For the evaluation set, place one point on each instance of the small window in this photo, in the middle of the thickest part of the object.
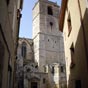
(53, 70)
(62, 69)
(9, 68)
(51, 25)
(69, 24)
(7, 1)
(44, 68)
(36, 66)
(32, 65)
(44, 80)
(78, 84)
(50, 12)
(72, 56)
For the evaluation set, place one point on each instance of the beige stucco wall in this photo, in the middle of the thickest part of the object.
(7, 32)
(80, 71)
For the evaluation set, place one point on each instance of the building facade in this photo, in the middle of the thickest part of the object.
(41, 61)
(27, 73)
(74, 24)
(9, 22)
(48, 41)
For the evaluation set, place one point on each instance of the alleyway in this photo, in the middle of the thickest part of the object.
(43, 44)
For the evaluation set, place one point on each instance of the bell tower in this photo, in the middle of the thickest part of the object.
(48, 40)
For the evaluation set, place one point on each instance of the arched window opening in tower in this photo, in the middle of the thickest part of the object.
(50, 11)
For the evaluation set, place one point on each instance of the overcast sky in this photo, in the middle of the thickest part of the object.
(26, 20)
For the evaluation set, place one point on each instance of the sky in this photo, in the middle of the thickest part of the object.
(26, 20)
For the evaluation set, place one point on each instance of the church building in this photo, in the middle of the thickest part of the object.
(41, 60)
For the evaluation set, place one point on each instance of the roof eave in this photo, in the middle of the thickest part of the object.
(62, 14)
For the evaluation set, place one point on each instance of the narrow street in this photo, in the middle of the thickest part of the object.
(43, 44)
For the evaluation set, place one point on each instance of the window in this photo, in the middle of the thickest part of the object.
(53, 70)
(44, 68)
(48, 40)
(36, 66)
(50, 12)
(69, 24)
(23, 51)
(51, 25)
(72, 56)
(78, 84)
(44, 80)
(7, 1)
(62, 69)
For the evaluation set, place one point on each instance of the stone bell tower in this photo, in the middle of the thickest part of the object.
(48, 40)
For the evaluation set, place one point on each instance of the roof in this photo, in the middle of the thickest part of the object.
(62, 14)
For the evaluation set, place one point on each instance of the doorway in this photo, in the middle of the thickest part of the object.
(34, 85)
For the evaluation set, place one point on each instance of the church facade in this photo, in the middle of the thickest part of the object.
(41, 60)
